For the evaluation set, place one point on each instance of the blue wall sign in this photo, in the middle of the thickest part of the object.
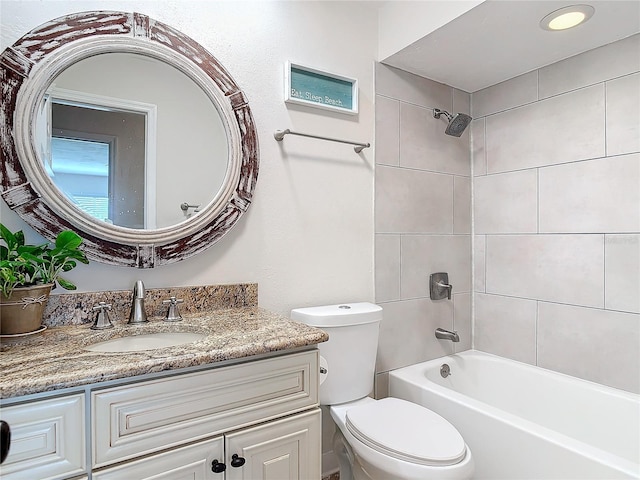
(312, 87)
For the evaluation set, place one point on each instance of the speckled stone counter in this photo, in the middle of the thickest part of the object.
(57, 359)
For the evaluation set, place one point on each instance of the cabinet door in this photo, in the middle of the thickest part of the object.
(193, 462)
(286, 449)
(47, 439)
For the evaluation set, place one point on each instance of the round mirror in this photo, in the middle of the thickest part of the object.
(128, 132)
(130, 140)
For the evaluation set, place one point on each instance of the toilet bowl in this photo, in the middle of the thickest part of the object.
(394, 439)
(385, 439)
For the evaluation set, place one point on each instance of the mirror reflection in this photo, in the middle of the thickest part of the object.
(132, 141)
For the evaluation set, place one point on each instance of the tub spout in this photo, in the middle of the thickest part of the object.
(443, 334)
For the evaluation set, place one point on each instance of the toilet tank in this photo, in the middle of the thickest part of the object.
(350, 354)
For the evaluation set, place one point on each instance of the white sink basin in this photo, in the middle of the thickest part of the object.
(151, 341)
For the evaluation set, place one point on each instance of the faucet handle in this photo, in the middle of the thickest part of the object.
(446, 287)
(102, 321)
(439, 286)
(173, 314)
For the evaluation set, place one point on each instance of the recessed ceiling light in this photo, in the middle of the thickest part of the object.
(567, 17)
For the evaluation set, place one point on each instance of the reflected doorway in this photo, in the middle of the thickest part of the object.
(98, 161)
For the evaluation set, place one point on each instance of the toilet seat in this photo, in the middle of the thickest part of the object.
(406, 431)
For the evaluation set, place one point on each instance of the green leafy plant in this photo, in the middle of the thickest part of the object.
(23, 265)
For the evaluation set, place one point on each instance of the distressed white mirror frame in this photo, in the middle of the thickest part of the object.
(26, 71)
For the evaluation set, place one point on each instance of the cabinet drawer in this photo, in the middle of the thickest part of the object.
(142, 418)
(47, 439)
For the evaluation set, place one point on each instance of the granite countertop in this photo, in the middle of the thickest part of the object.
(57, 359)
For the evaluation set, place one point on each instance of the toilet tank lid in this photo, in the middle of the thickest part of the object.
(339, 315)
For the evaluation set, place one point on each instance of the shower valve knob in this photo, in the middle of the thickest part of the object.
(439, 287)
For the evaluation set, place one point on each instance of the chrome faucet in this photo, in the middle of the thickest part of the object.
(443, 334)
(138, 315)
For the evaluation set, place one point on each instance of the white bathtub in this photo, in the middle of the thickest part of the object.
(525, 422)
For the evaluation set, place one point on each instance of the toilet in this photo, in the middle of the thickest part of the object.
(377, 439)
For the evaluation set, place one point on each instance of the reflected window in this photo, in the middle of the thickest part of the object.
(80, 167)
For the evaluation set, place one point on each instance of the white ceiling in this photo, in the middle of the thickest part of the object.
(500, 39)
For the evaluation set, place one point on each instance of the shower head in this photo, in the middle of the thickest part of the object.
(457, 122)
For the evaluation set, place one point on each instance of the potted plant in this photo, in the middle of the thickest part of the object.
(27, 275)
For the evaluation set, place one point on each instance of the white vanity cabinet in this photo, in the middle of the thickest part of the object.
(254, 420)
(264, 412)
(47, 439)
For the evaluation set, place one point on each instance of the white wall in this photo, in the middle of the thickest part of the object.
(308, 237)
(557, 216)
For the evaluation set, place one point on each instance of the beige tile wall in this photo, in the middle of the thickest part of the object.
(556, 157)
(422, 219)
(556, 213)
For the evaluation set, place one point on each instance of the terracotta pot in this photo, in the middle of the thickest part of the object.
(22, 311)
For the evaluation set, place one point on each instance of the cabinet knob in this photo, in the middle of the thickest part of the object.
(237, 461)
(217, 467)
(5, 440)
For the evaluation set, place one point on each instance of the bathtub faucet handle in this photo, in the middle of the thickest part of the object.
(447, 287)
(439, 286)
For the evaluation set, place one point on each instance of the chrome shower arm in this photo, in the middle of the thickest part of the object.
(437, 113)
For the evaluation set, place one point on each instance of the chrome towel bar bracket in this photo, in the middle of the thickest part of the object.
(357, 146)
